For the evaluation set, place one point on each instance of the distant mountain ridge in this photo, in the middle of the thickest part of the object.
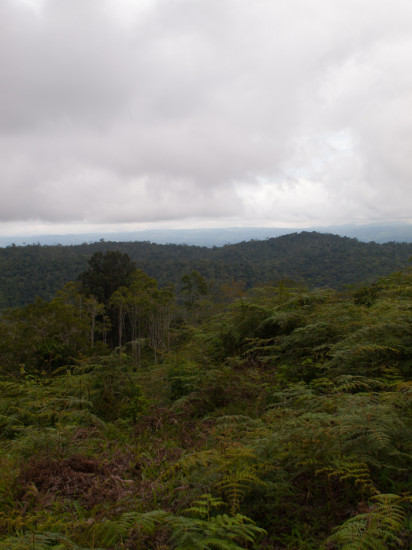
(316, 258)
(377, 232)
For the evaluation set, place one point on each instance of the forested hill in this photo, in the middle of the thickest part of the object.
(318, 259)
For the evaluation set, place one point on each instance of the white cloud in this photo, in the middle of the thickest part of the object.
(169, 111)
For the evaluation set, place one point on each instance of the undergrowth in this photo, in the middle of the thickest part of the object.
(284, 422)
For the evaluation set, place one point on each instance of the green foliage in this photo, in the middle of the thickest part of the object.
(221, 532)
(349, 468)
(194, 289)
(42, 336)
(318, 259)
(39, 541)
(377, 529)
(209, 532)
(107, 272)
(282, 422)
(366, 295)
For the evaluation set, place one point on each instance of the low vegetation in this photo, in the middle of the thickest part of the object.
(145, 418)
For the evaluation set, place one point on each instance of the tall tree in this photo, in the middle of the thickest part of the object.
(160, 318)
(119, 301)
(194, 288)
(107, 272)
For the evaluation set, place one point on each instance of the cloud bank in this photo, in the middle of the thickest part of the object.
(220, 111)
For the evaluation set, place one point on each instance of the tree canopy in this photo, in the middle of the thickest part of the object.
(107, 272)
(313, 258)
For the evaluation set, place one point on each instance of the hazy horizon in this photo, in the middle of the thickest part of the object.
(384, 232)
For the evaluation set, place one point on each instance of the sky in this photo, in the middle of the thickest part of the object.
(138, 114)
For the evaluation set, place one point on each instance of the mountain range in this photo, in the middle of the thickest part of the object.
(377, 232)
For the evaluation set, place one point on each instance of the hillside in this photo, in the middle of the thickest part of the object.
(318, 259)
(283, 422)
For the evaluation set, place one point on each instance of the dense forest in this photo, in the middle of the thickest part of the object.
(136, 414)
(315, 258)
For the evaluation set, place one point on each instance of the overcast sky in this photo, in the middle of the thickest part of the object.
(133, 114)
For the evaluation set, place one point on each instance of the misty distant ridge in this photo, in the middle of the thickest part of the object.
(377, 232)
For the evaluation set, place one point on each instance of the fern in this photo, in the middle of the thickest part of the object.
(236, 420)
(83, 418)
(221, 532)
(372, 430)
(40, 541)
(349, 468)
(110, 532)
(203, 506)
(378, 529)
(236, 484)
(352, 383)
(33, 441)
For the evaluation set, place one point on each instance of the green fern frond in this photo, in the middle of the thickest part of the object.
(83, 418)
(192, 461)
(235, 486)
(349, 468)
(40, 541)
(237, 419)
(146, 521)
(221, 532)
(10, 389)
(349, 383)
(378, 529)
(111, 532)
(203, 506)
(34, 441)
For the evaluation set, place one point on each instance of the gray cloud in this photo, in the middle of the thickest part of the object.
(266, 111)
